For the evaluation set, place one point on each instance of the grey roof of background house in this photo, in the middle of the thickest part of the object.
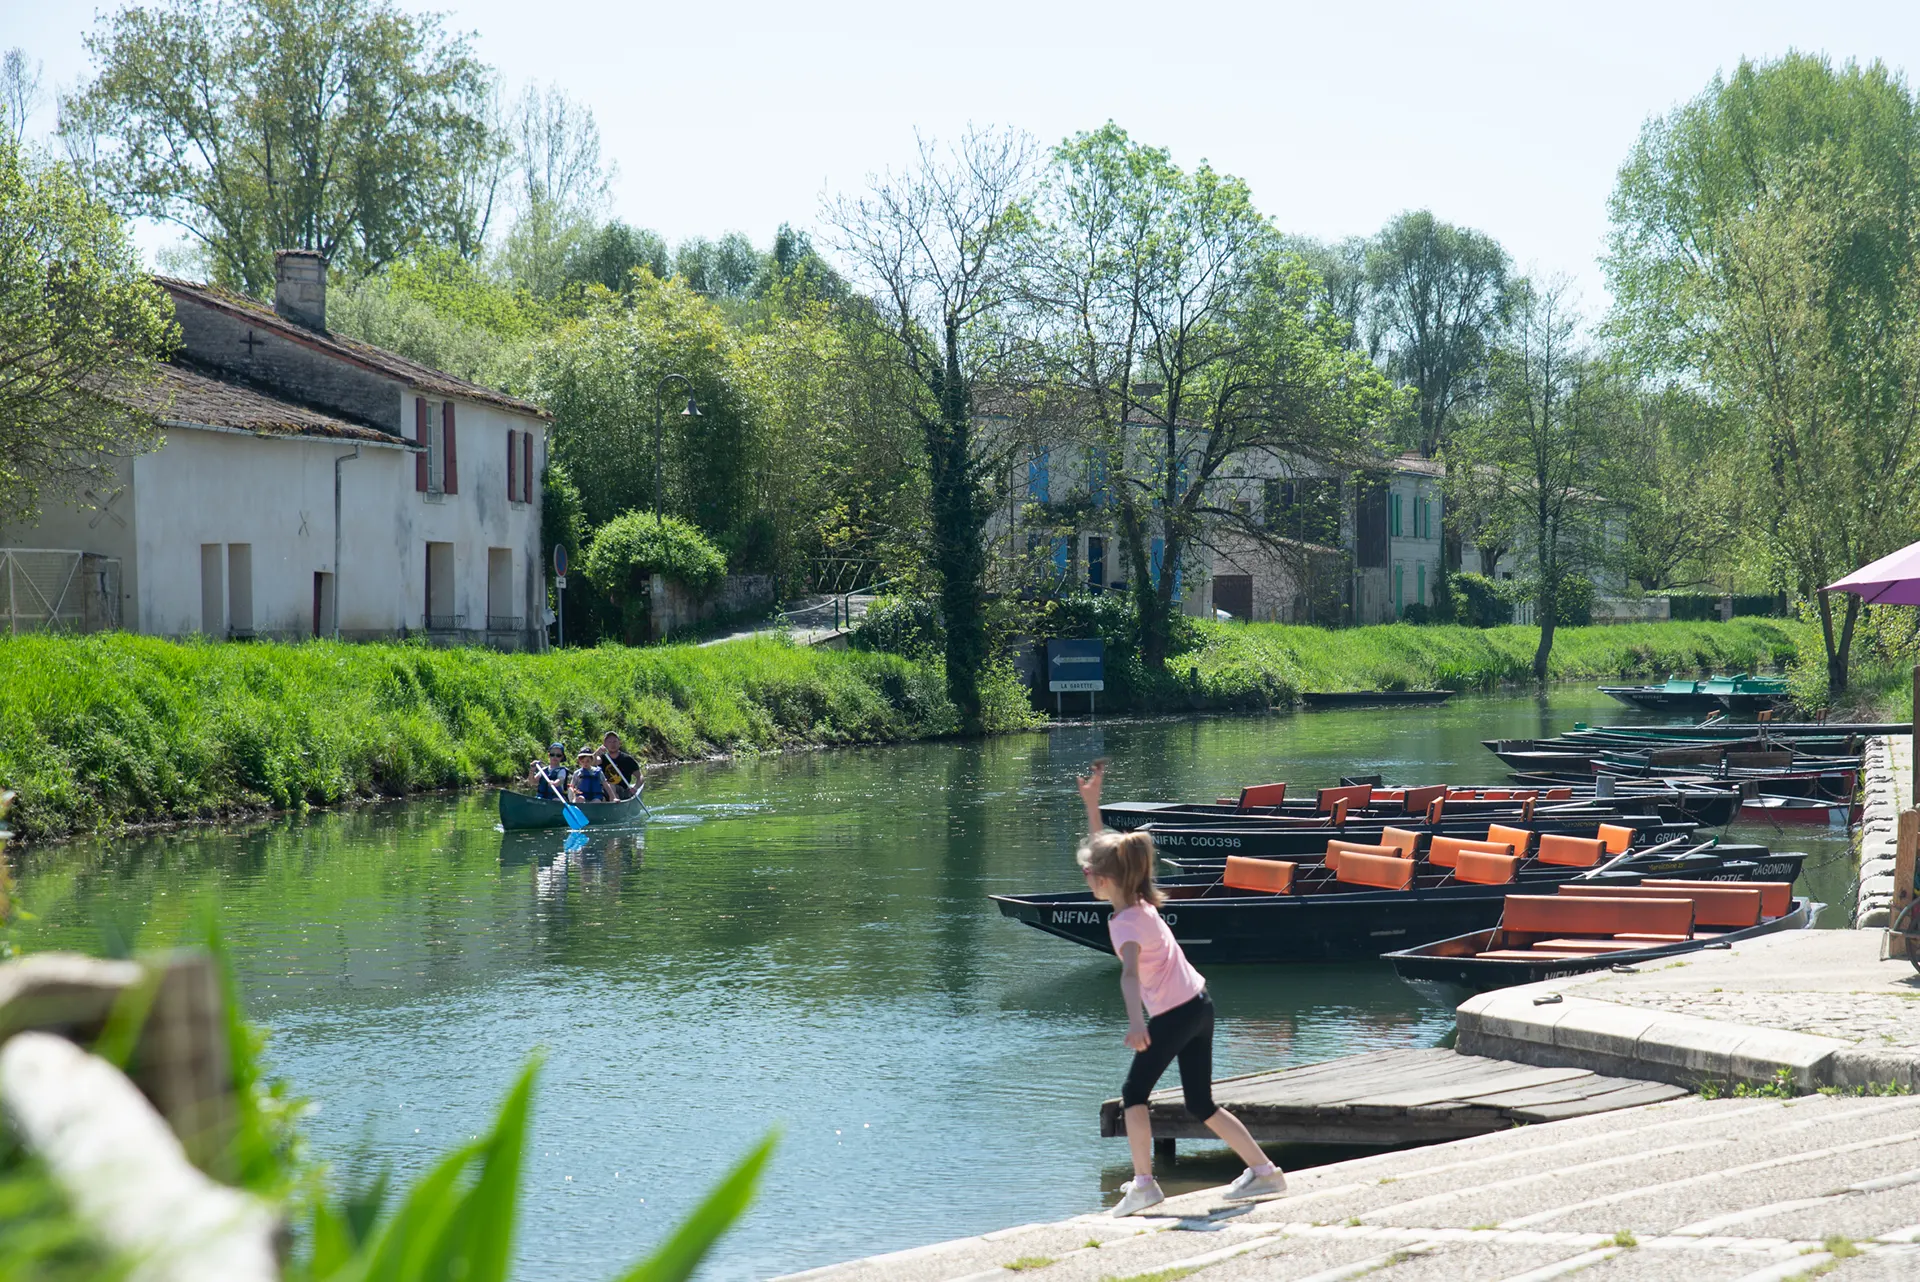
(181, 396)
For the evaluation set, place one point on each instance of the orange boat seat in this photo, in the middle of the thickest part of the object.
(1497, 794)
(1557, 794)
(1416, 800)
(1616, 837)
(1262, 794)
(1355, 795)
(1484, 868)
(1556, 915)
(1337, 849)
(1446, 851)
(1653, 939)
(1382, 871)
(1386, 794)
(1270, 876)
(1521, 839)
(1570, 852)
(1403, 840)
(1530, 954)
(1618, 944)
(1715, 904)
(1776, 897)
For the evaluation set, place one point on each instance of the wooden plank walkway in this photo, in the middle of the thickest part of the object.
(1397, 1097)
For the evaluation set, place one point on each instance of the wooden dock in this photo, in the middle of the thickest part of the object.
(1396, 1097)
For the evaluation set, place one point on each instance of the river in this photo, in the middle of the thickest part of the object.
(801, 942)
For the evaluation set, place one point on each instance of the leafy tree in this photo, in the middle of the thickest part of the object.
(81, 329)
(936, 246)
(1195, 352)
(627, 551)
(1765, 243)
(1550, 431)
(1688, 518)
(1436, 302)
(726, 268)
(343, 126)
(19, 91)
(612, 252)
(1344, 289)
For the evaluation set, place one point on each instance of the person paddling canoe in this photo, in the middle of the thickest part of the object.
(620, 766)
(550, 781)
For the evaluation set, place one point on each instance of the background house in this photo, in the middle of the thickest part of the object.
(309, 485)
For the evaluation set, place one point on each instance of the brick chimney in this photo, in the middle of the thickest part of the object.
(300, 288)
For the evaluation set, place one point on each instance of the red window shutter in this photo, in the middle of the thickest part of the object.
(526, 468)
(513, 468)
(420, 463)
(451, 483)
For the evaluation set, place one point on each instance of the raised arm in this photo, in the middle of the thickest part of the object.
(1090, 795)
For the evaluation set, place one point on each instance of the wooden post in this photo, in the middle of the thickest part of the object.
(1906, 844)
(1163, 1147)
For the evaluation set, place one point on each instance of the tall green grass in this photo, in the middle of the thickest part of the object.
(110, 729)
(1267, 663)
(114, 728)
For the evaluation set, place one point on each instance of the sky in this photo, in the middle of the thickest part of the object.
(1508, 117)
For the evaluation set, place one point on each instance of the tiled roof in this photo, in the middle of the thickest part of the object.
(379, 359)
(184, 397)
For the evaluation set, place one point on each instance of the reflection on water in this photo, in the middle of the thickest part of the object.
(801, 941)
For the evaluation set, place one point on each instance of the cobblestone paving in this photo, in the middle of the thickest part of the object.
(1871, 1019)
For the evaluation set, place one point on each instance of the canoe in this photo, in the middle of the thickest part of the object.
(1457, 963)
(1371, 698)
(518, 810)
(1215, 923)
(1737, 694)
(1797, 810)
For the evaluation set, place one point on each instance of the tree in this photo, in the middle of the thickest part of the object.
(610, 254)
(1549, 432)
(1344, 289)
(726, 268)
(81, 328)
(1765, 242)
(1684, 471)
(342, 126)
(935, 245)
(1194, 353)
(19, 92)
(1437, 299)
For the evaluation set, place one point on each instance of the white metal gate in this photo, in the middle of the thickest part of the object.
(50, 589)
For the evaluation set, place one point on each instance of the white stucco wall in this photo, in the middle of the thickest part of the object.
(275, 495)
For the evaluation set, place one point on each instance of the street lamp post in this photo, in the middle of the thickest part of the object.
(659, 426)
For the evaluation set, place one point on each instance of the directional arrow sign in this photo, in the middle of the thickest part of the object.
(1076, 666)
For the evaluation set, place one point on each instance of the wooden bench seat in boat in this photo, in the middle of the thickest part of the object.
(1267, 876)
(1445, 851)
(1356, 795)
(1776, 897)
(1619, 943)
(1383, 872)
(1720, 904)
(1521, 839)
(1556, 916)
(1570, 852)
(1530, 954)
(1486, 868)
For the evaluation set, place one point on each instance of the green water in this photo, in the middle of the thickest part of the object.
(801, 942)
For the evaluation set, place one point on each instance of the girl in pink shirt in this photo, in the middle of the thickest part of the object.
(1155, 974)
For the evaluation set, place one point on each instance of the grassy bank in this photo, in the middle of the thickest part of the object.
(103, 730)
(110, 729)
(1259, 664)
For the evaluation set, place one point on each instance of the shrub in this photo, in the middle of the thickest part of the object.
(1573, 608)
(1417, 613)
(900, 625)
(628, 550)
(1481, 602)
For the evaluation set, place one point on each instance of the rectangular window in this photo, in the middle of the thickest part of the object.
(1096, 562)
(1370, 525)
(213, 590)
(500, 615)
(440, 600)
(323, 606)
(240, 589)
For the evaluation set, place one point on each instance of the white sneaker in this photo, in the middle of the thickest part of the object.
(1142, 1192)
(1250, 1185)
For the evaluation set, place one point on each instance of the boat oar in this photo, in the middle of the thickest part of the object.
(576, 818)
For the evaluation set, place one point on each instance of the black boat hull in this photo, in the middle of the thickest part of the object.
(1256, 842)
(1298, 928)
(1762, 864)
(1371, 698)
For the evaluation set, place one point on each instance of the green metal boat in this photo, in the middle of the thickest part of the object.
(518, 810)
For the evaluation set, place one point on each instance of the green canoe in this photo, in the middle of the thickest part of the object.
(518, 810)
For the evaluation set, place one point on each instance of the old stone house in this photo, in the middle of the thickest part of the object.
(309, 485)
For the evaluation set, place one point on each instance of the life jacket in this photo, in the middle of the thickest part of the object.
(552, 786)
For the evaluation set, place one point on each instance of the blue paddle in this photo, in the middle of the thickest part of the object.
(576, 818)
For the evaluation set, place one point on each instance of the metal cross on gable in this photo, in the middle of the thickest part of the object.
(104, 504)
(250, 342)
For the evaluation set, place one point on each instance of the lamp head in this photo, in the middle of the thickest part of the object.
(692, 410)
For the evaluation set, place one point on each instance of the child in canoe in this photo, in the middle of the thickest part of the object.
(1155, 974)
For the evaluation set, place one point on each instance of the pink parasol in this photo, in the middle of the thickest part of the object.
(1892, 580)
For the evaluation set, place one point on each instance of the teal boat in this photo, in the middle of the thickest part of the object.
(518, 810)
(1740, 693)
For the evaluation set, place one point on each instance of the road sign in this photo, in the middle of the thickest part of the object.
(560, 559)
(560, 581)
(1076, 666)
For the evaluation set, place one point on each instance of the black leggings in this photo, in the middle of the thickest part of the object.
(1186, 1033)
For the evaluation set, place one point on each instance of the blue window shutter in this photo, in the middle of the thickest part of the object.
(1038, 482)
(1156, 552)
(1061, 552)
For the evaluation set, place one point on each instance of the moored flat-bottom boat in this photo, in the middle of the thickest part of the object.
(1508, 954)
(518, 810)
